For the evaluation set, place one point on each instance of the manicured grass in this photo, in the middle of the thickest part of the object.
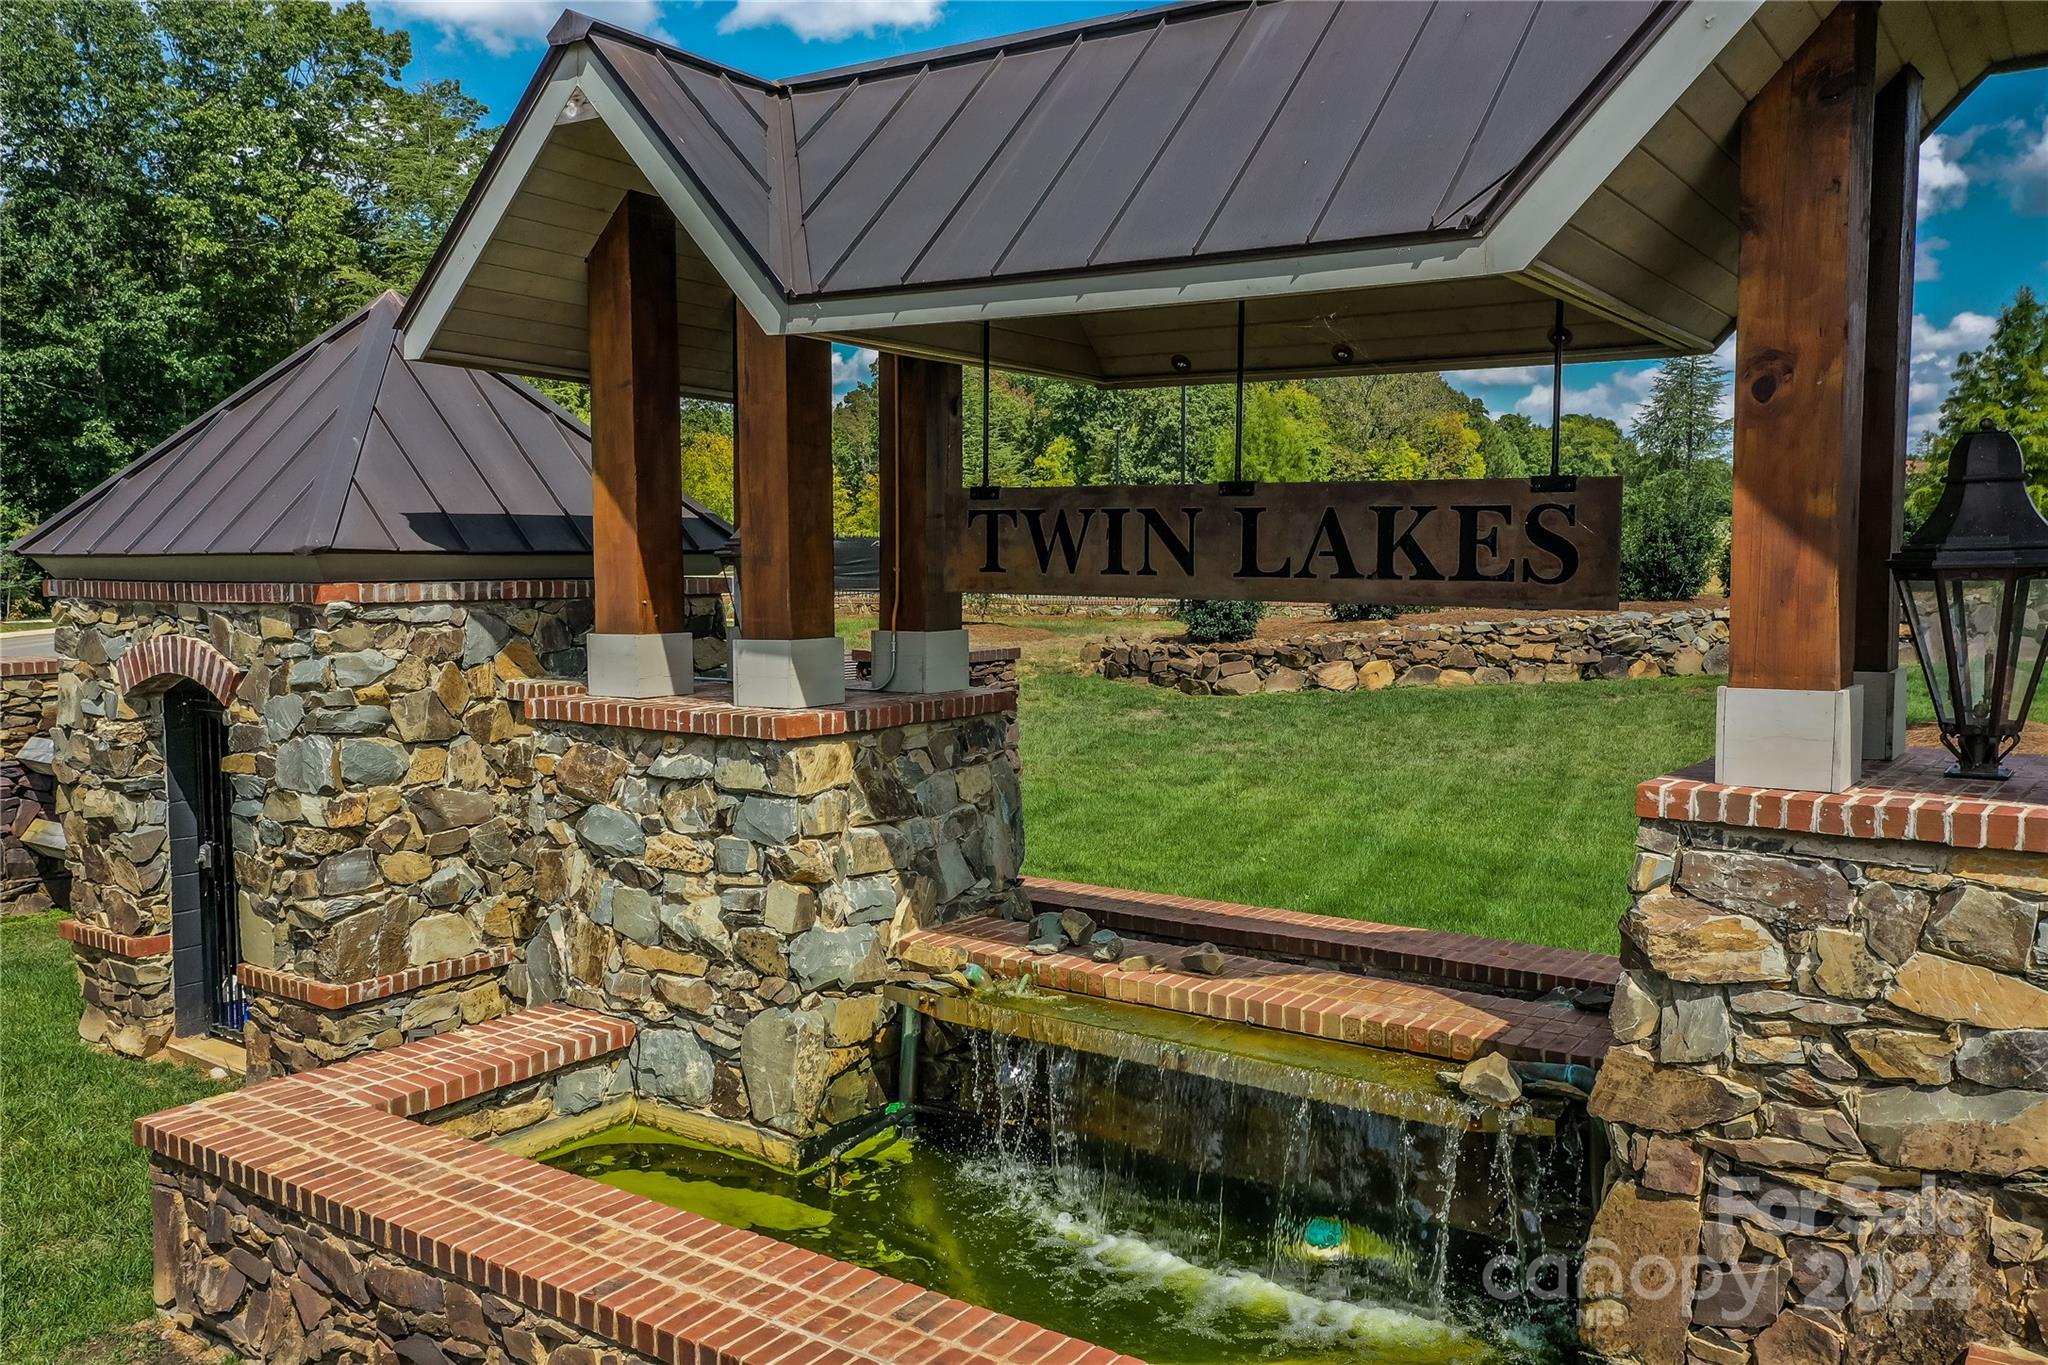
(10, 627)
(75, 1233)
(1506, 811)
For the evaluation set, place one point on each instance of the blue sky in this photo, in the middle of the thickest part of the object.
(1983, 176)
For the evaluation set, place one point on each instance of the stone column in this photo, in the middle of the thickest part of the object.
(1827, 1099)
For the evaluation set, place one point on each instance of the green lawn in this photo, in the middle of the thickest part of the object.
(75, 1233)
(11, 627)
(1507, 811)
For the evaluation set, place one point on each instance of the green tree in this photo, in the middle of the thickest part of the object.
(707, 471)
(1286, 439)
(188, 192)
(1681, 423)
(2005, 384)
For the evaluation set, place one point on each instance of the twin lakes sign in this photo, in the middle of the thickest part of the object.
(1467, 542)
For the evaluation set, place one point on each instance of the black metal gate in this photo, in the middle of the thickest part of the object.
(205, 923)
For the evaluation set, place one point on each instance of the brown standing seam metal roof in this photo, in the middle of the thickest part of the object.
(1197, 131)
(347, 447)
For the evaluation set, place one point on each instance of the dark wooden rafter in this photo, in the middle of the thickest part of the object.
(635, 423)
(1799, 365)
(1887, 368)
(783, 454)
(920, 481)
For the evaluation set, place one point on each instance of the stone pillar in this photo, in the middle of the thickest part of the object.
(1827, 1098)
(921, 645)
(1792, 714)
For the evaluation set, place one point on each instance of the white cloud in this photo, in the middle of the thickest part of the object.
(1619, 397)
(832, 20)
(499, 26)
(1926, 265)
(2025, 173)
(1934, 355)
(850, 366)
(1944, 182)
(1507, 374)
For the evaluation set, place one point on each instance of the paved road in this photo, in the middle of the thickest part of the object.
(17, 644)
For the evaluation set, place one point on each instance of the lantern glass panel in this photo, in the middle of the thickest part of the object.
(2030, 629)
(1923, 606)
(1977, 606)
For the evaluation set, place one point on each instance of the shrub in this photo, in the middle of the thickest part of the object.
(1670, 537)
(1209, 622)
(1368, 611)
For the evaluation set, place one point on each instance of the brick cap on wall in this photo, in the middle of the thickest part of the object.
(1411, 1016)
(1908, 798)
(334, 995)
(333, 1146)
(103, 940)
(1486, 962)
(711, 712)
(31, 666)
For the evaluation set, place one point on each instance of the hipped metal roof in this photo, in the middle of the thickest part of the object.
(347, 448)
(1387, 184)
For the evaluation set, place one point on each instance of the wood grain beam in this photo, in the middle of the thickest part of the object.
(920, 478)
(635, 423)
(783, 454)
(1799, 364)
(1887, 367)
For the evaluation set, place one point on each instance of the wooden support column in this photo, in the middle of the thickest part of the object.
(1789, 717)
(920, 645)
(788, 654)
(1887, 374)
(638, 646)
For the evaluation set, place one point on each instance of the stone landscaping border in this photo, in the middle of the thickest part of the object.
(306, 1217)
(1528, 650)
(32, 841)
(387, 593)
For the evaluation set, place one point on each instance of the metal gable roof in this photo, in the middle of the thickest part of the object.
(1205, 130)
(347, 447)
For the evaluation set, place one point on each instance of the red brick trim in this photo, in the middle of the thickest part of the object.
(332, 1146)
(1989, 1353)
(1909, 797)
(102, 940)
(711, 712)
(335, 995)
(225, 593)
(31, 666)
(162, 659)
(1436, 1021)
(1326, 938)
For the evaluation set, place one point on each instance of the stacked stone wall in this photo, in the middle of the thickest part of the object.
(1628, 644)
(32, 875)
(381, 779)
(1827, 1103)
(738, 899)
(279, 1288)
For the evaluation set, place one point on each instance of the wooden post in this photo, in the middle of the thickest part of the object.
(920, 645)
(635, 436)
(1887, 370)
(1788, 718)
(783, 453)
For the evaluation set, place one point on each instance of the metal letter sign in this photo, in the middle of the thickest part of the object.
(1470, 542)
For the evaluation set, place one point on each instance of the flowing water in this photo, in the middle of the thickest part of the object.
(1165, 1215)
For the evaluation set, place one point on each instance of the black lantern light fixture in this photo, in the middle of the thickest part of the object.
(1974, 581)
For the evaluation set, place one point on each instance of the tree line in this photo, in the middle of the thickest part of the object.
(190, 191)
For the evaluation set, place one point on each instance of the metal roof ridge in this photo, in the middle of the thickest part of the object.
(374, 349)
(574, 27)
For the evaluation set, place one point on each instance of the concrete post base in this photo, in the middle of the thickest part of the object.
(641, 665)
(920, 661)
(1783, 737)
(1884, 713)
(789, 675)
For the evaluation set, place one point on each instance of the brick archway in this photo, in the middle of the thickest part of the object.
(159, 662)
